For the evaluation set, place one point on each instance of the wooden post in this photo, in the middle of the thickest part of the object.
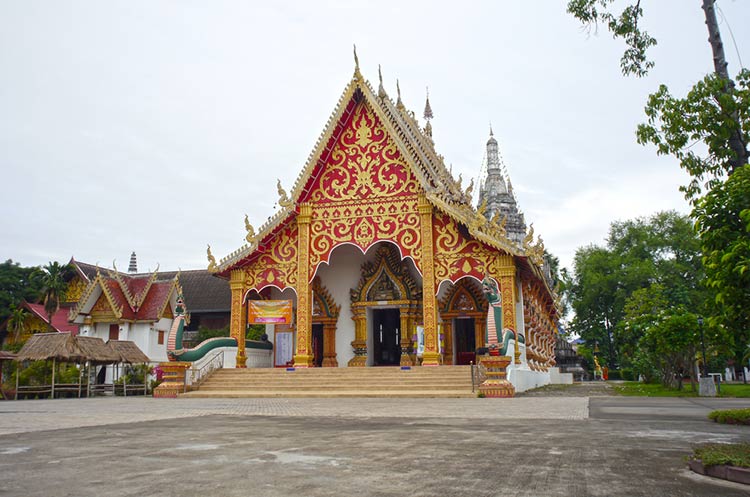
(54, 362)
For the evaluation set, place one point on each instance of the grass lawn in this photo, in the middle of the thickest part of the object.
(633, 388)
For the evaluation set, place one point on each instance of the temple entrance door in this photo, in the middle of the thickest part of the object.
(317, 344)
(386, 339)
(465, 343)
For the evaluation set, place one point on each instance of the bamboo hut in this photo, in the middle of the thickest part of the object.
(59, 347)
(4, 356)
(97, 354)
(129, 353)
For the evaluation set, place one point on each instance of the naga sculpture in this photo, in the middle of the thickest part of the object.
(175, 352)
(496, 337)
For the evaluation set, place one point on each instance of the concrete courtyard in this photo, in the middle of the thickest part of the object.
(526, 446)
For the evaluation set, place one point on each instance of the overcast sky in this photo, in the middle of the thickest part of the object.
(154, 126)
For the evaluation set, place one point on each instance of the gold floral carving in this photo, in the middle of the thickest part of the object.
(364, 164)
(236, 328)
(365, 194)
(302, 356)
(456, 255)
(431, 355)
(277, 264)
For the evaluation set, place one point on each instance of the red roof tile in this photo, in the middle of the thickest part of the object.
(59, 319)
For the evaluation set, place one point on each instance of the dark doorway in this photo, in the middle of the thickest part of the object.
(386, 337)
(317, 344)
(465, 340)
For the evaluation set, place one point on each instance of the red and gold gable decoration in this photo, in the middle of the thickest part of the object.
(276, 264)
(364, 193)
(457, 256)
(269, 311)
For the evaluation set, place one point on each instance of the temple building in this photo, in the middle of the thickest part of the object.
(383, 255)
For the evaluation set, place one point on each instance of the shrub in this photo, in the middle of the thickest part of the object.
(614, 374)
(627, 374)
(731, 416)
(206, 333)
(717, 454)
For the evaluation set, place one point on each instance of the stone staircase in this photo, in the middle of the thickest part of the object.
(441, 381)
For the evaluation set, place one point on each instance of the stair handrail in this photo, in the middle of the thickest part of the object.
(216, 361)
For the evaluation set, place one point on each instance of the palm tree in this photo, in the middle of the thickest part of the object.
(17, 322)
(54, 288)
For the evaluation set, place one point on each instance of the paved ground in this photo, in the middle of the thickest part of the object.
(527, 446)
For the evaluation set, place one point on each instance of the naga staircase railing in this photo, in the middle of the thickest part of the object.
(199, 375)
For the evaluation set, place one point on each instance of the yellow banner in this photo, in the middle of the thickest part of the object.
(269, 311)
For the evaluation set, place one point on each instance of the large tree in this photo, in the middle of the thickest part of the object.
(16, 285)
(661, 250)
(54, 276)
(716, 114)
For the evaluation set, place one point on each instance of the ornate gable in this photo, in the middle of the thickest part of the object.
(385, 279)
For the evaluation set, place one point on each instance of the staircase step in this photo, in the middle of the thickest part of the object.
(442, 381)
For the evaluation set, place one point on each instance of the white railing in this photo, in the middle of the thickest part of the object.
(214, 362)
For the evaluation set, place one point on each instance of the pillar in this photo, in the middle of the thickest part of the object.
(360, 337)
(405, 337)
(448, 334)
(239, 316)
(431, 356)
(329, 343)
(508, 289)
(303, 356)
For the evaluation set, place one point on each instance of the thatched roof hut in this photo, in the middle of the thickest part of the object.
(128, 352)
(97, 351)
(6, 356)
(44, 346)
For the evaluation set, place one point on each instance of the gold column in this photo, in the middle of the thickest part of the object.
(448, 334)
(360, 338)
(508, 290)
(303, 358)
(431, 356)
(405, 337)
(237, 324)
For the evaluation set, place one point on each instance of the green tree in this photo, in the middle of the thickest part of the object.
(17, 322)
(713, 111)
(661, 250)
(723, 219)
(16, 285)
(54, 276)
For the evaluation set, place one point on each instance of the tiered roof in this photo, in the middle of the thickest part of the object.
(131, 298)
(441, 189)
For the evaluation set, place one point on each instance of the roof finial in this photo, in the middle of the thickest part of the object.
(428, 115)
(399, 103)
(381, 90)
(356, 61)
(491, 133)
(427, 109)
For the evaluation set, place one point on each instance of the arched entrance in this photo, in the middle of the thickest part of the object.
(386, 305)
(463, 312)
(325, 314)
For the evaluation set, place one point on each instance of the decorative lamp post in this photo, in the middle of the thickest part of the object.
(703, 346)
